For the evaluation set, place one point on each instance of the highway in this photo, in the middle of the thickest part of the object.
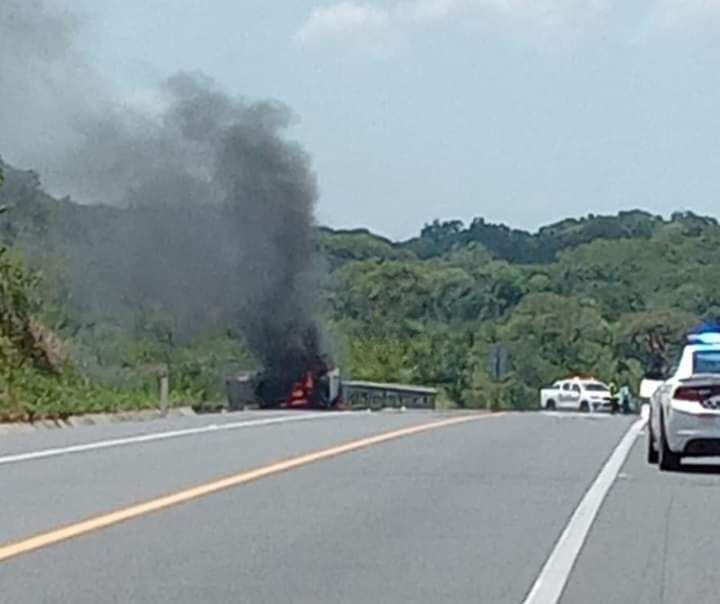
(354, 507)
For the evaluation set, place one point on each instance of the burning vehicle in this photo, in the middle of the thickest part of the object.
(317, 388)
(295, 376)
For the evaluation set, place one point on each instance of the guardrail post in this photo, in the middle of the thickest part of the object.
(164, 389)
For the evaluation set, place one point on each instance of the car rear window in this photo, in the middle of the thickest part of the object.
(706, 361)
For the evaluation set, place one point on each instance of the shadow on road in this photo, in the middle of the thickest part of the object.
(700, 468)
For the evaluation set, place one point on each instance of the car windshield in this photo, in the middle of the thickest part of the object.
(596, 387)
(706, 361)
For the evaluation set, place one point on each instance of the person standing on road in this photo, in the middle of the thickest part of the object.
(625, 399)
(613, 397)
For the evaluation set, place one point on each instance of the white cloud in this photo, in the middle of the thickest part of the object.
(373, 24)
(351, 22)
(432, 10)
(539, 11)
(680, 14)
(345, 22)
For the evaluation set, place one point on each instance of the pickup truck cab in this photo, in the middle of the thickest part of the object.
(579, 394)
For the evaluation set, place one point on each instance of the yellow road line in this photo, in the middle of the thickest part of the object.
(99, 522)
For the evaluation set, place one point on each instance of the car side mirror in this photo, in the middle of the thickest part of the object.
(648, 387)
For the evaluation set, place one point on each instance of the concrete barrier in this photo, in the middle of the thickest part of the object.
(95, 419)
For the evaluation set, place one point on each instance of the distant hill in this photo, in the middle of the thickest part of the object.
(520, 246)
(147, 284)
(36, 214)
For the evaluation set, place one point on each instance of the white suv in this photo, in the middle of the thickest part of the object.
(685, 408)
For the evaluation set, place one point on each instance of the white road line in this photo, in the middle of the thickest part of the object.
(578, 415)
(551, 582)
(156, 436)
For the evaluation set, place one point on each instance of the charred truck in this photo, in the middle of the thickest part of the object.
(317, 388)
(298, 378)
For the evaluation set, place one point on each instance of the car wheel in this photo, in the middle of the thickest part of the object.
(584, 406)
(550, 405)
(668, 460)
(652, 454)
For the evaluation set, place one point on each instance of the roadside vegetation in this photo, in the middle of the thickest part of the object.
(486, 313)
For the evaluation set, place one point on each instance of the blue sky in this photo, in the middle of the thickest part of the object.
(522, 111)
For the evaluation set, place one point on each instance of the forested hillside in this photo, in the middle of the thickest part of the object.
(487, 313)
(601, 295)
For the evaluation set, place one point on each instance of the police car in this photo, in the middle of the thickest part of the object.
(685, 406)
(577, 393)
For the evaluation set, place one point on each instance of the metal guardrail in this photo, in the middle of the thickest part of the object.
(375, 395)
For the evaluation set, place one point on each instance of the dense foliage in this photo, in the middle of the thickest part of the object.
(492, 314)
(487, 313)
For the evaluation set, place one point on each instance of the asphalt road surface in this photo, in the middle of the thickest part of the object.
(381, 507)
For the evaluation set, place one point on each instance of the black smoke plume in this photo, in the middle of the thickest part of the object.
(215, 204)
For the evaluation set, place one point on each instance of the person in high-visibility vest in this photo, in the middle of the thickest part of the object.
(613, 397)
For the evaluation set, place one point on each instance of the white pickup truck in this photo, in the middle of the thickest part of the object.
(580, 394)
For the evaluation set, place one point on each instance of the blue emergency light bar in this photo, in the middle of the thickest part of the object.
(707, 333)
(704, 338)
